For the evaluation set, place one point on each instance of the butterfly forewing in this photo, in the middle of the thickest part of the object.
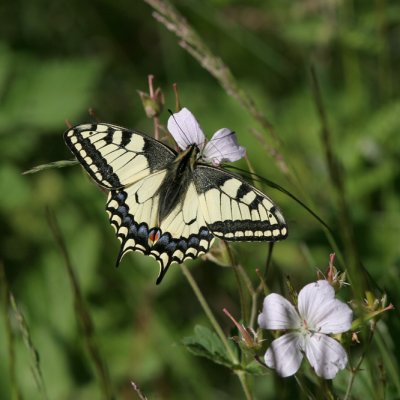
(234, 210)
(114, 156)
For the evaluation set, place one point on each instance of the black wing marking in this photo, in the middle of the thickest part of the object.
(181, 235)
(115, 156)
(236, 211)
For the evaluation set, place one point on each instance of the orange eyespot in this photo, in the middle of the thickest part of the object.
(154, 235)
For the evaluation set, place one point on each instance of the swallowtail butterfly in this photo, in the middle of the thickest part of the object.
(170, 205)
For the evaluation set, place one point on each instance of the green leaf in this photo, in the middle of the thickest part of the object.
(206, 343)
(43, 93)
(254, 368)
(16, 187)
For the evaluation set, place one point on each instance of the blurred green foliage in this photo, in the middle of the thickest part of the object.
(58, 59)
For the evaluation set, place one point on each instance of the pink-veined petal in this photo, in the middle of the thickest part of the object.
(285, 354)
(322, 312)
(278, 313)
(222, 147)
(185, 129)
(334, 317)
(325, 355)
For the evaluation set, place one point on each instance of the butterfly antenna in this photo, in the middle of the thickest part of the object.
(188, 142)
(283, 190)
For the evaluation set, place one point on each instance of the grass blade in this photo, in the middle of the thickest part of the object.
(82, 312)
(52, 165)
(5, 295)
(34, 354)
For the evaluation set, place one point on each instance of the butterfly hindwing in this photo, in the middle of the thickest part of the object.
(115, 156)
(234, 210)
(133, 212)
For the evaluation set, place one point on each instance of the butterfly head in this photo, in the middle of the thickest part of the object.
(187, 159)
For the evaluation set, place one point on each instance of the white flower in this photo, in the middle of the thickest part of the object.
(186, 131)
(318, 314)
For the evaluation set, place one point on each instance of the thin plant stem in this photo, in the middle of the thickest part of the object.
(356, 368)
(242, 297)
(268, 261)
(241, 281)
(138, 391)
(262, 287)
(156, 120)
(253, 312)
(242, 276)
(336, 176)
(207, 310)
(253, 295)
(177, 100)
(294, 179)
(82, 312)
(300, 382)
(10, 337)
(33, 353)
(389, 359)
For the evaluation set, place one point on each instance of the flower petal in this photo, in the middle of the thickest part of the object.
(278, 313)
(325, 355)
(223, 146)
(285, 354)
(185, 129)
(322, 312)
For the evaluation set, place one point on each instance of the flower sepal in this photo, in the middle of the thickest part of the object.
(153, 102)
(152, 105)
(371, 310)
(336, 278)
(247, 340)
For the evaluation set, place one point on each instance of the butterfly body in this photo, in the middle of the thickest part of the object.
(177, 180)
(167, 204)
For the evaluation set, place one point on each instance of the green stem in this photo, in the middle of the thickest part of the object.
(303, 387)
(338, 182)
(245, 385)
(207, 310)
(82, 312)
(354, 370)
(243, 308)
(10, 337)
(33, 353)
(253, 294)
(241, 279)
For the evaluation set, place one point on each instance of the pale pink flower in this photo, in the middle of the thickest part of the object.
(318, 314)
